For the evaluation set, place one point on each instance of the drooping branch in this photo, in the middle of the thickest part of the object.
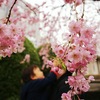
(8, 17)
(59, 6)
(28, 7)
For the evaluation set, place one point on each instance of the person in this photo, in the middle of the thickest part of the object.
(60, 87)
(35, 84)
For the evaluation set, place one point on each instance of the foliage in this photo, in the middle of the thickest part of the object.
(10, 71)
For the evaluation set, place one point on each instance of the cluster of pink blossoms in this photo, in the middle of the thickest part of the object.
(11, 39)
(78, 85)
(78, 50)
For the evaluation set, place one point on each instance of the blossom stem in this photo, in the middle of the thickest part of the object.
(78, 97)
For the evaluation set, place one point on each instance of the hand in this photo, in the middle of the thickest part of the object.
(61, 72)
(58, 71)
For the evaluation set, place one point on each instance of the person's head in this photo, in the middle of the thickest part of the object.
(30, 73)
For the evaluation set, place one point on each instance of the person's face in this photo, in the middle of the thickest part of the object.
(38, 73)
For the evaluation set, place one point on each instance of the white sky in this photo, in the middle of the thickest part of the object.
(55, 2)
(35, 1)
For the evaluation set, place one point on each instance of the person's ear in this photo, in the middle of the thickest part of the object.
(32, 77)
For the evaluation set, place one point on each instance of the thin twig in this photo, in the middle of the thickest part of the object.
(28, 6)
(10, 12)
(59, 6)
(83, 9)
(78, 97)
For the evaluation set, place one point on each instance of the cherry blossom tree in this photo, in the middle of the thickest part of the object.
(73, 37)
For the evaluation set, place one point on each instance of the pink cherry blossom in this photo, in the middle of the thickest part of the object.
(77, 83)
(78, 2)
(59, 51)
(75, 56)
(26, 59)
(91, 78)
(87, 32)
(74, 27)
(68, 1)
(66, 96)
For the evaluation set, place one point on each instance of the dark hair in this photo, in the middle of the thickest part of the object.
(27, 72)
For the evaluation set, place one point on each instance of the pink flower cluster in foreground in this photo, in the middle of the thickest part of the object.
(78, 84)
(78, 50)
(11, 39)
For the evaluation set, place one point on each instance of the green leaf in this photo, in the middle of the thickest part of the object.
(63, 66)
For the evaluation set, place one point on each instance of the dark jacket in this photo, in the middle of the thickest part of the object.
(38, 89)
(60, 87)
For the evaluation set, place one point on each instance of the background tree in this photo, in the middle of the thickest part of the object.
(10, 71)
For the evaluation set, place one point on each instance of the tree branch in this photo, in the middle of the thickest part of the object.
(8, 17)
(83, 9)
(28, 6)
